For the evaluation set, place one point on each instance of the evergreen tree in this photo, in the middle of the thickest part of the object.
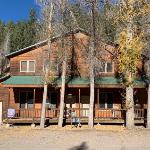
(2, 33)
(22, 33)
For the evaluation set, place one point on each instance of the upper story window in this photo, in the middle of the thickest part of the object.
(27, 66)
(106, 67)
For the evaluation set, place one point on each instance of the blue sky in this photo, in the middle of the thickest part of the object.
(15, 9)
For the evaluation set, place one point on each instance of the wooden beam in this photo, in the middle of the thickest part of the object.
(75, 86)
(28, 86)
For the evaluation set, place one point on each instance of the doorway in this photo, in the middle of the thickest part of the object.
(26, 99)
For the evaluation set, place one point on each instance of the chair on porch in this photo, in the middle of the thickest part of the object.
(75, 121)
(11, 113)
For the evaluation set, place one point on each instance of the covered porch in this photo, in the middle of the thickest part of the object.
(108, 105)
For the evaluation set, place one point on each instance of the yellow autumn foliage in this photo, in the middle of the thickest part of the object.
(130, 41)
(129, 54)
(132, 8)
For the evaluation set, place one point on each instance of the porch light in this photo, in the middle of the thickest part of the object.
(69, 96)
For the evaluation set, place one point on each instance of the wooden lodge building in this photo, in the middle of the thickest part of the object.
(22, 90)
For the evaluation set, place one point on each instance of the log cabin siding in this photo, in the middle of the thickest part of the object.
(74, 44)
(4, 97)
(35, 54)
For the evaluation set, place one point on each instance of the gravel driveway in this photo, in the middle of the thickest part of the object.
(102, 138)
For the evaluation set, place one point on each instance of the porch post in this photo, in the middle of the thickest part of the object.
(34, 98)
(33, 104)
(97, 108)
(79, 101)
(98, 97)
(148, 107)
(65, 109)
(9, 97)
(1, 112)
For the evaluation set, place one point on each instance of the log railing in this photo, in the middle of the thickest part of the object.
(103, 113)
(35, 113)
(78, 112)
(110, 113)
(98, 113)
(140, 113)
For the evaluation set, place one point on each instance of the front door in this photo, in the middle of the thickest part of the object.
(106, 100)
(26, 99)
(85, 103)
(106, 105)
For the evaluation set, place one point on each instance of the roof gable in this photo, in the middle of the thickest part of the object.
(41, 43)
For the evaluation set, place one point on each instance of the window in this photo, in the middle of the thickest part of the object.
(27, 66)
(106, 67)
(109, 67)
(106, 100)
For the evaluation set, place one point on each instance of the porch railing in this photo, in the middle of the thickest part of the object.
(35, 113)
(77, 112)
(103, 113)
(110, 114)
(140, 113)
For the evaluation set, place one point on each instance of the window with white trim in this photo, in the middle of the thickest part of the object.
(27, 66)
(106, 67)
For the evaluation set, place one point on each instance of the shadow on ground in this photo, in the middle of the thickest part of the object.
(82, 146)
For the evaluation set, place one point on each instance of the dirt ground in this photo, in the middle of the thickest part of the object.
(67, 138)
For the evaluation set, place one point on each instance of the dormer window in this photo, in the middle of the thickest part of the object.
(106, 67)
(27, 66)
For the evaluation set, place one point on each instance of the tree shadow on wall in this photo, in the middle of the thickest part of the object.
(82, 146)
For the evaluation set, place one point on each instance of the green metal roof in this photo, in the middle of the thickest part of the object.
(86, 81)
(38, 80)
(107, 80)
(24, 80)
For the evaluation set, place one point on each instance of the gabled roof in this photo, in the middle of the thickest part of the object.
(26, 49)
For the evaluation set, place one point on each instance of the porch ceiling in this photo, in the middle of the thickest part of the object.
(36, 81)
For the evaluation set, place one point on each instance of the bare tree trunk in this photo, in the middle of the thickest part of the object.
(62, 96)
(91, 108)
(47, 68)
(129, 88)
(92, 77)
(148, 108)
(130, 108)
(64, 69)
(47, 27)
(42, 122)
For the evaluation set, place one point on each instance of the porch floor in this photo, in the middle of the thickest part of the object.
(68, 121)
